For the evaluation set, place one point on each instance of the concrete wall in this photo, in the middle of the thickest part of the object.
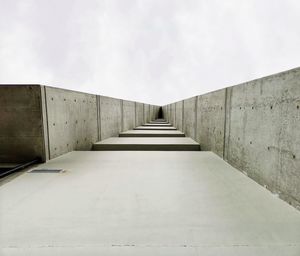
(46, 122)
(72, 122)
(128, 115)
(110, 117)
(21, 124)
(254, 126)
(211, 121)
(179, 115)
(172, 113)
(190, 117)
(263, 132)
(139, 114)
(146, 113)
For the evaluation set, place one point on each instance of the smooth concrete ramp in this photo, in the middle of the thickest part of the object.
(170, 128)
(151, 133)
(164, 144)
(144, 204)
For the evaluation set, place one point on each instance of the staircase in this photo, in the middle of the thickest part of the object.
(158, 135)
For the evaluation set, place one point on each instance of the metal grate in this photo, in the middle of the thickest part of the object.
(46, 171)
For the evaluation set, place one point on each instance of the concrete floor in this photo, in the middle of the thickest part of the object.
(144, 203)
(166, 143)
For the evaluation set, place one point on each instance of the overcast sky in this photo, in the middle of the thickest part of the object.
(153, 51)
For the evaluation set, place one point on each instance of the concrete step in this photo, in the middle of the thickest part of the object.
(160, 144)
(159, 120)
(152, 133)
(163, 128)
(157, 124)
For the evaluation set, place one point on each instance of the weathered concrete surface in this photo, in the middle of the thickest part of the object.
(146, 113)
(263, 132)
(211, 121)
(139, 114)
(172, 113)
(152, 112)
(179, 203)
(21, 123)
(72, 120)
(151, 133)
(190, 117)
(179, 115)
(260, 120)
(128, 115)
(165, 144)
(110, 118)
(154, 128)
(166, 113)
(157, 124)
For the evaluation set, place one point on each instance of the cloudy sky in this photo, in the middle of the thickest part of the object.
(154, 51)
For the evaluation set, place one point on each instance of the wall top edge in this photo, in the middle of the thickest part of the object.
(286, 72)
(69, 90)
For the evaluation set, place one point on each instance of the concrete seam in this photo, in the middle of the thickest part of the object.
(175, 123)
(182, 127)
(196, 119)
(225, 115)
(143, 113)
(122, 116)
(47, 118)
(99, 116)
(42, 118)
(135, 114)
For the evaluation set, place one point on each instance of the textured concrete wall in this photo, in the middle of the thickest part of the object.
(146, 113)
(152, 113)
(255, 127)
(179, 115)
(128, 115)
(172, 113)
(190, 117)
(263, 132)
(21, 124)
(110, 117)
(72, 120)
(139, 114)
(165, 112)
(46, 122)
(211, 121)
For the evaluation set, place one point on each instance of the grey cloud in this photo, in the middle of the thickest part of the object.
(151, 51)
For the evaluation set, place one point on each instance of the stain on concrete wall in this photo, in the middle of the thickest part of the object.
(211, 121)
(21, 124)
(263, 132)
(110, 117)
(190, 117)
(72, 120)
(128, 115)
(139, 119)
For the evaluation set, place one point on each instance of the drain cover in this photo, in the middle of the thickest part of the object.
(46, 171)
